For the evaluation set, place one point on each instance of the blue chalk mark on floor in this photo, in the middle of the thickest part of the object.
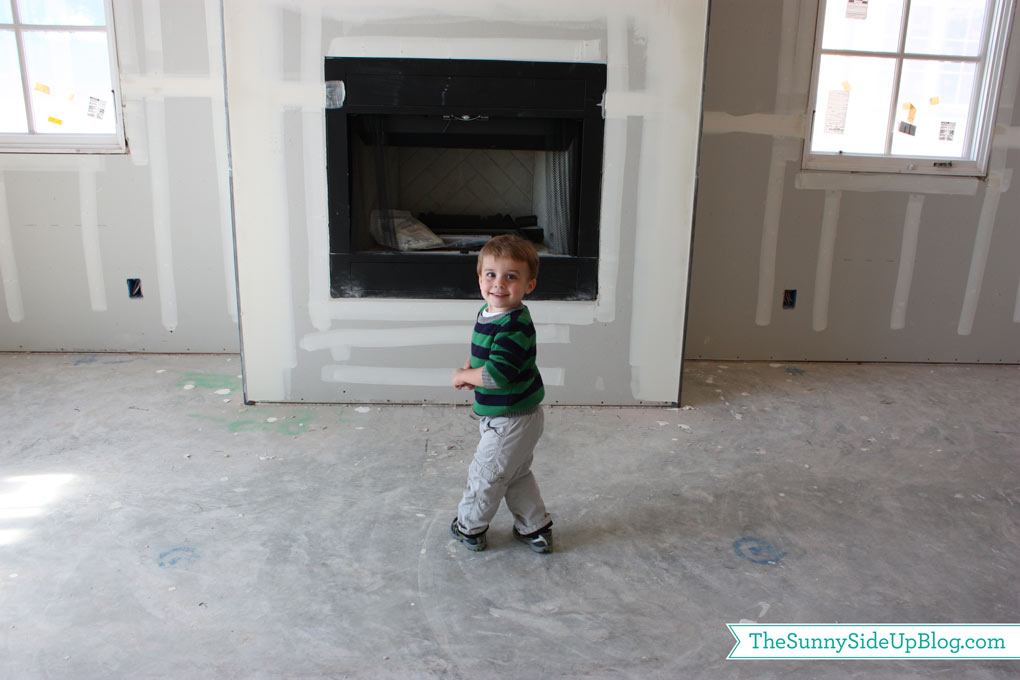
(795, 371)
(176, 556)
(757, 551)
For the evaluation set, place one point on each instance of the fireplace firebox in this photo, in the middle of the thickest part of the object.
(429, 158)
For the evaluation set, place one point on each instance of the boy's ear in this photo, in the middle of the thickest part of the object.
(531, 286)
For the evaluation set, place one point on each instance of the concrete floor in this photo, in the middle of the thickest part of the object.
(154, 526)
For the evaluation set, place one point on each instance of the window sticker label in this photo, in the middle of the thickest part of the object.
(835, 112)
(97, 108)
(947, 130)
(857, 9)
(908, 128)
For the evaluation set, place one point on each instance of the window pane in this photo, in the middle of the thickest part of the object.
(12, 101)
(949, 27)
(934, 103)
(69, 78)
(852, 106)
(5, 12)
(62, 12)
(873, 26)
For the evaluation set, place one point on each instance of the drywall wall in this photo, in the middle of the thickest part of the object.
(301, 344)
(886, 269)
(75, 228)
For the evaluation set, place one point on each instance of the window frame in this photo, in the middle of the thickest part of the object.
(980, 127)
(67, 143)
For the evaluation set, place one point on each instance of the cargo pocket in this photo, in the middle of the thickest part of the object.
(489, 456)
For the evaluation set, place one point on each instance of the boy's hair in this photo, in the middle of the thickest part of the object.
(511, 247)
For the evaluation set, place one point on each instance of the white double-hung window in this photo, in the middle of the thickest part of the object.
(906, 85)
(59, 90)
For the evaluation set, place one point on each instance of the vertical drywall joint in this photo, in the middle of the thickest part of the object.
(782, 153)
(826, 254)
(90, 238)
(789, 97)
(8, 263)
(998, 182)
(908, 254)
(159, 171)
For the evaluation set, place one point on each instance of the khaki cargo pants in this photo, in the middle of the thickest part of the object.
(502, 469)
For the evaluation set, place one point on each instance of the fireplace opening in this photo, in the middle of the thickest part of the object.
(428, 159)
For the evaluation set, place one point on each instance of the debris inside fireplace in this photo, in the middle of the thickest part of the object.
(400, 230)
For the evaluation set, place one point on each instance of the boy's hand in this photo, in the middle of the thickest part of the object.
(458, 376)
(458, 379)
(468, 377)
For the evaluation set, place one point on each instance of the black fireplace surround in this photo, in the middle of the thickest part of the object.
(387, 108)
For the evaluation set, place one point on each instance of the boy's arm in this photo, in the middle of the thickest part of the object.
(462, 377)
(468, 377)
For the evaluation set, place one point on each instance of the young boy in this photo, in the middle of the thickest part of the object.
(508, 393)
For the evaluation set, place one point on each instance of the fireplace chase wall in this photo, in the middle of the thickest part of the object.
(467, 149)
(302, 344)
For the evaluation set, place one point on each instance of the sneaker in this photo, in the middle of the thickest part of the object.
(539, 541)
(475, 542)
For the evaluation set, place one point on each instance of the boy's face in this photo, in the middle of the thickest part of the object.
(504, 282)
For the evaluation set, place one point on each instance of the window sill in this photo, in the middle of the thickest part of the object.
(109, 145)
(900, 183)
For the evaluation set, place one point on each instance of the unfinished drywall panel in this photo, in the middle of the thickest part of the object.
(74, 229)
(908, 268)
(758, 86)
(302, 344)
